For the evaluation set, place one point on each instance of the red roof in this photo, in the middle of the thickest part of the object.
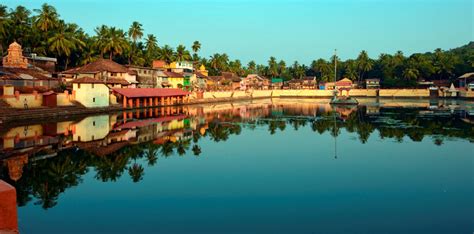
(99, 66)
(150, 92)
(173, 74)
(117, 81)
(88, 80)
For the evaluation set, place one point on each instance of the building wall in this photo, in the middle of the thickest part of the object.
(86, 94)
(34, 100)
(174, 81)
(64, 99)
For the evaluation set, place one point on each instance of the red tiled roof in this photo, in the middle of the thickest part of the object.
(215, 78)
(88, 80)
(158, 64)
(117, 81)
(99, 66)
(150, 92)
(200, 75)
(174, 74)
(17, 73)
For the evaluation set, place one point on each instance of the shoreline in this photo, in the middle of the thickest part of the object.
(65, 113)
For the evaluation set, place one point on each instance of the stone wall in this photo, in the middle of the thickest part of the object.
(404, 93)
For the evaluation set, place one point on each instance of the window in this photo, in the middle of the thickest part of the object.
(92, 85)
(79, 85)
(113, 74)
(93, 99)
(93, 123)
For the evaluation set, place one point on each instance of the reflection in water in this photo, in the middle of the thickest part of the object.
(43, 160)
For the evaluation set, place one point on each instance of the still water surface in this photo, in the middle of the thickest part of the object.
(274, 166)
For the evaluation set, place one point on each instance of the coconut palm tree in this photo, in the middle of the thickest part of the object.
(166, 54)
(273, 66)
(182, 54)
(47, 17)
(116, 42)
(281, 67)
(196, 47)
(251, 67)
(364, 64)
(151, 46)
(63, 43)
(322, 67)
(411, 73)
(135, 32)
(350, 69)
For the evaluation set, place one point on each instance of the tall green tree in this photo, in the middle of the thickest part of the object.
(47, 17)
(182, 54)
(196, 47)
(135, 32)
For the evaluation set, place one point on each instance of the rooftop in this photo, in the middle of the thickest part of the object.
(99, 65)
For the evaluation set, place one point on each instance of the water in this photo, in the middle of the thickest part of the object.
(273, 166)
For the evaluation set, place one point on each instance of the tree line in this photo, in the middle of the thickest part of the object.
(43, 32)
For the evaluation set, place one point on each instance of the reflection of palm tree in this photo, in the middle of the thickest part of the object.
(136, 171)
(151, 152)
(196, 150)
(167, 149)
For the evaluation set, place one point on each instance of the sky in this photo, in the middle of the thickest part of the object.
(288, 30)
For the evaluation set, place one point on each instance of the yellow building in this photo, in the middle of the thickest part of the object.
(177, 80)
(90, 92)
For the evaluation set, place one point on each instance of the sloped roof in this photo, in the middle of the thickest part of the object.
(22, 74)
(87, 80)
(99, 66)
(467, 75)
(150, 92)
(200, 75)
(117, 81)
(173, 74)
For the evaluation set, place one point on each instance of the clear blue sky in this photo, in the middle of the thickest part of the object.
(288, 30)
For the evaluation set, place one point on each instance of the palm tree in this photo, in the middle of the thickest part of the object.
(182, 54)
(20, 24)
(151, 45)
(4, 23)
(135, 32)
(251, 67)
(196, 47)
(100, 39)
(350, 69)
(166, 54)
(364, 64)
(411, 73)
(273, 66)
(116, 42)
(47, 17)
(63, 43)
(136, 171)
(281, 67)
(322, 67)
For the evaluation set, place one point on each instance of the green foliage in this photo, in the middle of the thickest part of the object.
(46, 34)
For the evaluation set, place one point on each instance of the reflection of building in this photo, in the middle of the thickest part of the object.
(91, 128)
(15, 166)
